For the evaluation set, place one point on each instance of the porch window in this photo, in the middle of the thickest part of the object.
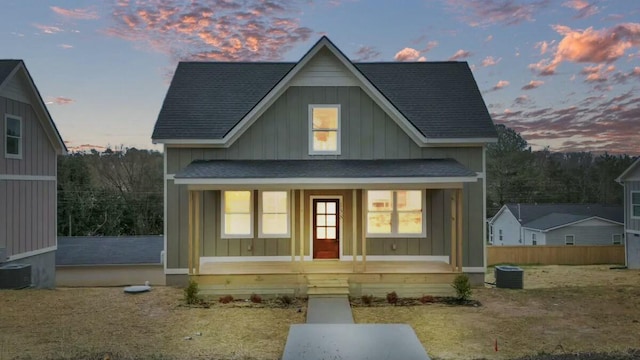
(398, 213)
(13, 137)
(237, 214)
(324, 126)
(274, 214)
(635, 204)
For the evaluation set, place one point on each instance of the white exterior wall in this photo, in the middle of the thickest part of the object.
(528, 237)
(511, 229)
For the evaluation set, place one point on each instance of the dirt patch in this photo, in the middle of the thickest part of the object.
(81, 323)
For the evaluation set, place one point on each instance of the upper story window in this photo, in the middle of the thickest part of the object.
(569, 240)
(397, 213)
(635, 204)
(237, 214)
(13, 137)
(324, 129)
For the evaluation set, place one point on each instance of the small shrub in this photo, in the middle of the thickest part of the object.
(392, 298)
(255, 298)
(462, 286)
(226, 299)
(427, 299)
(285, 300)
(191, 293)
(367, 299)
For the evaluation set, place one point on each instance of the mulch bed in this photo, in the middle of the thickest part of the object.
(426, 300)
(631, 354)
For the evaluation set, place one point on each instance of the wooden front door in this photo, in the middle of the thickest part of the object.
(326, 228)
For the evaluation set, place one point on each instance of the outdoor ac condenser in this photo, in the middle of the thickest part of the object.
(15, 276)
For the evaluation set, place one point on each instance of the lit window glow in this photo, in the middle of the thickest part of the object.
(237, 217)
(325, 129)
(274, 214)
(395, 213)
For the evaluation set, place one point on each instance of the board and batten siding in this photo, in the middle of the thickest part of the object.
(16, 87)
(631, 186)
(437, 241)
(324, 69)
(367, 132)
(594, 232)
(27, 215)
(38, 155)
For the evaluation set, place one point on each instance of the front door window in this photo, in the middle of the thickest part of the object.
(326, 228)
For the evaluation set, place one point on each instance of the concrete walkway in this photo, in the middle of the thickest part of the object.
(329, 310)
(330, 333)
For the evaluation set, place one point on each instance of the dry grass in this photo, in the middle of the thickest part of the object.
(562, 309)
(92, 322)
(601, 313)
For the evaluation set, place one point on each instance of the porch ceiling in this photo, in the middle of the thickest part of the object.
(346, 173)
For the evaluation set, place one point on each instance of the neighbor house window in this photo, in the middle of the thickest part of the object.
(617, 239)
(533, 239)
(569, 240)
(324, 126)
(274, 214)
(237, 214)
(500, 234)
(635, 204)
(13, 137)
(395, 213)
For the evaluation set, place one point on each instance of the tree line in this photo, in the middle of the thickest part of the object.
(516, 174)
(110, 193)
(121, 192)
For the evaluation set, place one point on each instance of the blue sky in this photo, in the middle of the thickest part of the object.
(564, 73)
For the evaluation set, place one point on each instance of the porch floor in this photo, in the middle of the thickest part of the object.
(325, 267)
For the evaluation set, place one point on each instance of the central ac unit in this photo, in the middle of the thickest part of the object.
(15, 276)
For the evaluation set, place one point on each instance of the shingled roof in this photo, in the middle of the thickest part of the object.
(528, 213)
(207, 99)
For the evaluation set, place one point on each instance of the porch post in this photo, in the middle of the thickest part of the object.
(363, 229)
(354, 227)
(292, 206)
(454, 228)
(190, 231)
(196, 231)
(302, 226)
(459, 247)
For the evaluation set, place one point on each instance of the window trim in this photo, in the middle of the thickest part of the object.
(613, 239)
(573, 242)
(6, 136)
(500, 234)
(394, 216)
(338, 130)
(260, 213)
(223, 215)
(632, 205)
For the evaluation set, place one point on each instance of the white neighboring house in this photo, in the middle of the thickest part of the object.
(557, 224)
(630, 179)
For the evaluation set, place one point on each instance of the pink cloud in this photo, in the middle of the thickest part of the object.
(590, 46)
(48, 29)
(409, 54)
(584, 8)
(522, 100)
(59, 100)
(224, 30)
(488, 12)
(533, 84)
(488, 38)
(65, 46)
(501, 84)
(460, 54)
(490, 61)
(366, 53)
(80, 14)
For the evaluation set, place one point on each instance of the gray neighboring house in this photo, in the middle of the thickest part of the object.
(29, 146)
(109, 260)
(277, 170)
(557, 224)
(630, 179)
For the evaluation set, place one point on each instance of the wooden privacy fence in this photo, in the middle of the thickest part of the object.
(556, 255)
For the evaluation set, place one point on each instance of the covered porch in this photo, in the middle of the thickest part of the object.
(364, 263)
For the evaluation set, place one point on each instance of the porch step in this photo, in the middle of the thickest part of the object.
(323, 286)
(268, 290)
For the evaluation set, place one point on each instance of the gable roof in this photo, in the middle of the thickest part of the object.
(628, 171)
(207, 102)
(557, 220)
(8, 69)
(526, 213)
